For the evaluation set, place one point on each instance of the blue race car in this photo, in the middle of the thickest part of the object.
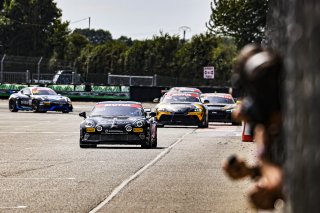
(39, 99)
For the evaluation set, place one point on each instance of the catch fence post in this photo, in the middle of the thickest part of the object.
(1, 74)
(154, 80)
(27, 76)
(39, 62)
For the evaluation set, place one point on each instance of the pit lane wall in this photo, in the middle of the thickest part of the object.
(76, 92)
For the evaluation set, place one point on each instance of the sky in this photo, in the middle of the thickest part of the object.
(138, 19)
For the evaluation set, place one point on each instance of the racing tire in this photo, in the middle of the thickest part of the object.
(154, 143)
(147, 143)
(204, 123)
(13, 106)
(35, 106)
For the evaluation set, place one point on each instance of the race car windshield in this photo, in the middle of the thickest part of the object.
(116, 111)
(177, 99)
(219, 100)
(43, 92)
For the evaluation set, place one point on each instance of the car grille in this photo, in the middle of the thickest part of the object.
(179, 118)
(114, 137)
(219, 116)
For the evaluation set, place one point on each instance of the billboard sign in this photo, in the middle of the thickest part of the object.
(208, 72)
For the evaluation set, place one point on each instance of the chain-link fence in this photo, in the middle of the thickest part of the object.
(20, 69)
(17, 69)
(131, 80)
(164, 81)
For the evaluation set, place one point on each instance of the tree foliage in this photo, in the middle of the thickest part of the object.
(95, 36)
(28, 27)
(245, 20)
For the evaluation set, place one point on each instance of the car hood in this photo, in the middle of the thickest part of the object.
(221, 106)
(177, 107)
(50, 97)
(112, 120)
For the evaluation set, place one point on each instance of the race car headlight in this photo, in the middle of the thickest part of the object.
(99, 128)
(139, 123)
(163, 110)
(128, 128)
(68, 100)
(89, 123)
(198, 109)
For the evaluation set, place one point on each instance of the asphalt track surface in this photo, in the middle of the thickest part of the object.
(42, 168)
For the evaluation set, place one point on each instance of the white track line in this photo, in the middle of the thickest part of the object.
(134, 176)
(15, 207)
(39, 132)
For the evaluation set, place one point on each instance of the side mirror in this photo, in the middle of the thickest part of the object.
(83, 114)
(156, 100)
(206, 101)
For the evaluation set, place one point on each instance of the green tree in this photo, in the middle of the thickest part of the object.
(75, 43)
(27, 27)
(126, 40)
(95, 37)
(135, 57)
(154, 56)
(245, 20)
(107, 58)
(194, 55)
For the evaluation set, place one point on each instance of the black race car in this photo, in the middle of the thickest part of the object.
(220, 107)
(182, 109)
(39, 99)
(118, 122)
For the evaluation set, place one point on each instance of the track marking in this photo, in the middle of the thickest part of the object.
(39, 132)
(137, 174)
(15, 207)
(37, 178)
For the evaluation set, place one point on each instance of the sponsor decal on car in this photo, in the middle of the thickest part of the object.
(137, 129)
(119, 105)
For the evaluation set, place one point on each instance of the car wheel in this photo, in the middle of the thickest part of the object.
(147, 143)
(155, 143)
(204, 123)
(35, 106)
(65, 111)
(13, 106)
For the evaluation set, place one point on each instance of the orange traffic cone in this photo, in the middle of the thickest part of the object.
(247, 132)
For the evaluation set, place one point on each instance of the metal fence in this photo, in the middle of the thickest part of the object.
(157, 80)
(15, 77)
(13, 68)
(131, 80)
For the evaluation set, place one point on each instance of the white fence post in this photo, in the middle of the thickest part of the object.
(39, 62)
(1, 74)
(27, 76)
